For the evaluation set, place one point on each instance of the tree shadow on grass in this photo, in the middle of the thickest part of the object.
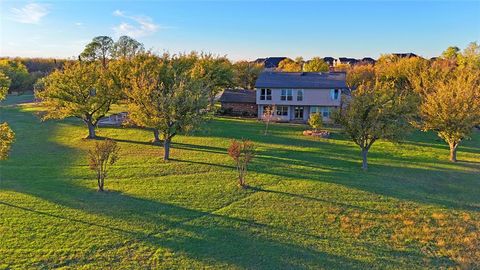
(450, 189)
(42, 171)
(414, 179)
(197, 234)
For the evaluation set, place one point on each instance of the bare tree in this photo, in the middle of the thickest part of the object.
(100, 157)
(268, 116)
(242, 153)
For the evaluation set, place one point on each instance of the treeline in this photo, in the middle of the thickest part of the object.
(169, 94)
(25, 72)
(398, 94)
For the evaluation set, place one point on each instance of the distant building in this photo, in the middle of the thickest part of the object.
(345, 60)
(238, 102)
(293, 96)
(405, 55)
(368, 60)
(270, 63)
(329, 60)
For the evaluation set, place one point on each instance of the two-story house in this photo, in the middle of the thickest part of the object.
(293, 96)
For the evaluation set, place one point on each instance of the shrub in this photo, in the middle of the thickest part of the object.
(315, 121)
(100, 157)
(242, 153)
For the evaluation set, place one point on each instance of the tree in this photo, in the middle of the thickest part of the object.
(470, 56)
(451, 105)
(4, 85)
(288, 65)
(100, 48)
(17, 74)
(246, 74)
(376, 111)
(215, 72)
(360, 74)
(6, 139)
(164, 95)
(6, 134)
(100, 157)
(126, 47)
(267, 117)
(242, 152)
(315, 121)
(316, 65)
(82, 90)
(451, 53)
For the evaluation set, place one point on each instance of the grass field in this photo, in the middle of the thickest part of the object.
(311, 206)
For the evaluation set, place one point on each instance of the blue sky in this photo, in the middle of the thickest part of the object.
(241, 30)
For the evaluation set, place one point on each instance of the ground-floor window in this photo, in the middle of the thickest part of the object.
(282, 110)
(324, 111)
(298, 112)
(314, 109)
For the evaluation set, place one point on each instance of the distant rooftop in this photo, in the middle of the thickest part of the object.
(270, 62)
(405, 55)
(302, 80)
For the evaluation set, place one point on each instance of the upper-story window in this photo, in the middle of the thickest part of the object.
(300, 95)
(334, 94)
(286, 94)
(265, 94)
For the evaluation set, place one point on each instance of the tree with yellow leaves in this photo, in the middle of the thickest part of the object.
(6, 134)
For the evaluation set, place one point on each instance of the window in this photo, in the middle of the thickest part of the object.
(286, 94)
(265, 94)
(298, 112)
(334, 94)
(325, 111)
(314, 110)
(299, 95)
(282, 110)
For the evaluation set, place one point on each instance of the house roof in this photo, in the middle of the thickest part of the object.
(405, 55)
(270, 62)
(347, 60)
(302, 80)
(238, 96)
(368, 59)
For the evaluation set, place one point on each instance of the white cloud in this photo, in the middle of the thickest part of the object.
(138, 26)
(31, 13)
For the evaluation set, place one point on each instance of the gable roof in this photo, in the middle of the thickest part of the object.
(302, 80)
(270, 62)
(238, 96)
(405, 55)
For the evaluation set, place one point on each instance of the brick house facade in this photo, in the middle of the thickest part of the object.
(239, 102)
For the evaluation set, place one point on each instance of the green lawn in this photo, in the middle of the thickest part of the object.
(310, 207)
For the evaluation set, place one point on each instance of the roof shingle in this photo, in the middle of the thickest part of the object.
(238, 96)
(302, 80)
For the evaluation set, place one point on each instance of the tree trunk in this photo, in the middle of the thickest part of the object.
(100, 184)
(453, 152)
(156, 136)
(91, 130)
(364, 158)
(166, 148)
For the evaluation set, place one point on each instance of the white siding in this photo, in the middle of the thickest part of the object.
(313, 97)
